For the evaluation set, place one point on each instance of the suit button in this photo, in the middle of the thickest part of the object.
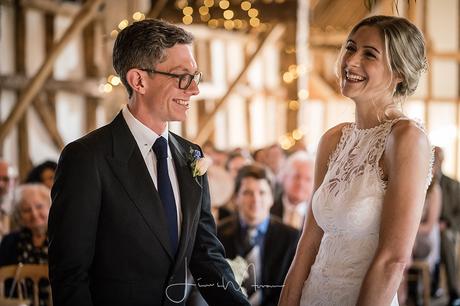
(171, 279)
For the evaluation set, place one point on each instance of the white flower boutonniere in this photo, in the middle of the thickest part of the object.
(239, 268)
(198, 163)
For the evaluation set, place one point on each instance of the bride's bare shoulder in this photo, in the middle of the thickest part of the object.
(331, 138)
(328, 144)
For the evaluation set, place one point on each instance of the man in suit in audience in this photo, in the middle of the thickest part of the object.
(131, 209)
(296, 179)
(262, 240)
(449, 225)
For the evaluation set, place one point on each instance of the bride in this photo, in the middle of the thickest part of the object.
(370, 177)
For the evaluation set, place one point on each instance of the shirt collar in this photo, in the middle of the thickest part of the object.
(262, 228)
(301, 208)
(144, 136)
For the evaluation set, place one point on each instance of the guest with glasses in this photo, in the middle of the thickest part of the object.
(131, 209)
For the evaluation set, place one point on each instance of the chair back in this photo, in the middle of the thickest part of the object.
(19, 274)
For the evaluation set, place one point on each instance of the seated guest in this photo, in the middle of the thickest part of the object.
(262, 240)
(6, 183)
(235, 161)
(43, 173)
(449, 226)
(29, 245)
(220, 191)
(427, 241)
(296, 179)
(275, 158)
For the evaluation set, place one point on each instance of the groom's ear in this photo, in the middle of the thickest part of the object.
(136, 79)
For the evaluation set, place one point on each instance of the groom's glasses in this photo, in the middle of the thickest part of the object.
(185, 79)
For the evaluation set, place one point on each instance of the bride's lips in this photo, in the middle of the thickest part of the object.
(354, 77)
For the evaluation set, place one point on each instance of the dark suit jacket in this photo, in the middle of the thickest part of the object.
(278, 209)
(450, 202)
(108, 236)
(280, 244)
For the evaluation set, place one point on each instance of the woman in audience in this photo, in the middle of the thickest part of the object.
(30, 211)
(43, 173)
(29, 245)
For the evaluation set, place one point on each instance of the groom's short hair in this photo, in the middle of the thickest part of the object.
(143, 45)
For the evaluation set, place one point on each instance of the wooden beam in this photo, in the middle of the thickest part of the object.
(455, 56)
(322, 38)
(49, 43)
(81, 20)
(87, 87)
(6, 2)
(208, 124)
(292, 88)
(55, 7)
(247, 107)
(320, 89)
(412, 11)
(24, 164)
(19, 40)
(92, 69)
(20, 61)
(457, 106)
(386, 7)
(156, 9)
(48, 121)
(90, 113)
(429, 46)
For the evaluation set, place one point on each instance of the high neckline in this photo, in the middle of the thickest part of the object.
(354, 126)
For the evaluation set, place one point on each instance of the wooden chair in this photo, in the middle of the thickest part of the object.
(19, 274)
(424, 269)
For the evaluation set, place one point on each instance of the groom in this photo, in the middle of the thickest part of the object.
(128, 216)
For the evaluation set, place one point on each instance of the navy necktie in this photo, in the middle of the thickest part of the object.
(160, 147)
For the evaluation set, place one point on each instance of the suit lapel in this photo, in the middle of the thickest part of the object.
(189, 190)
(129, 167)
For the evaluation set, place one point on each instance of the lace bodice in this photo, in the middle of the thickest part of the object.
(347, 206)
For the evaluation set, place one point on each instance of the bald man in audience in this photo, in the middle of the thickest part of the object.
(296, 178)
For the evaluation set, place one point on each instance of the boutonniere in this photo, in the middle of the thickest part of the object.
(198, 163)
(239, 268)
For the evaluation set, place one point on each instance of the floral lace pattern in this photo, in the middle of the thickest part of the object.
(347, 206)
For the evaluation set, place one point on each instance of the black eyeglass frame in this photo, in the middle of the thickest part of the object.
(197, 77)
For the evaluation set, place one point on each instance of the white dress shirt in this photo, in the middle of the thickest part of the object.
(294, 215)
(145, 138)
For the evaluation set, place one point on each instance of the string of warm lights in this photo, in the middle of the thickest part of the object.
(225, 17)
(288, 140)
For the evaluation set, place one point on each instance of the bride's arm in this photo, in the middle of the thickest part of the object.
(303, 260)
(406, 163)
(311, 236)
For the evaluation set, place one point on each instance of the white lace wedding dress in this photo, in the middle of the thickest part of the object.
(347, 206)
